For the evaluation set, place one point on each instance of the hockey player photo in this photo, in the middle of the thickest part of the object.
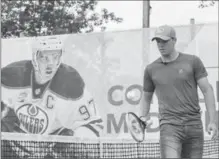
(47, 97)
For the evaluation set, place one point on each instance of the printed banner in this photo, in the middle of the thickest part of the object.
(112, 66)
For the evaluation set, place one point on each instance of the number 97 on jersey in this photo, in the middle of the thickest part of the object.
(88, 110)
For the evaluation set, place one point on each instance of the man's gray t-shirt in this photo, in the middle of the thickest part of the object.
(175, 85)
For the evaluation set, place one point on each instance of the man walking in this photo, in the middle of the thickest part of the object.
(174, 77)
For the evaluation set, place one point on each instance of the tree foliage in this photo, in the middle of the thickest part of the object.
(50, 17)
(207, 3)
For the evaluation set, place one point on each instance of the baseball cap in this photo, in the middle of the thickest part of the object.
(164, 32)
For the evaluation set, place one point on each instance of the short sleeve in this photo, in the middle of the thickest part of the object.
(148, 85)
(199, 69)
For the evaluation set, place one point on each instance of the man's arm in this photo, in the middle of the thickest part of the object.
(81, 116)
(145, 104)
(208, 93)
(148, 89)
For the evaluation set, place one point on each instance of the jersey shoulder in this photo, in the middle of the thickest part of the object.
(185, 56)
(67, 83)
(154, 65)
(16, 74)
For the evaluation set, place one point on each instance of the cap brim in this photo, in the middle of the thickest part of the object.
(161, 37)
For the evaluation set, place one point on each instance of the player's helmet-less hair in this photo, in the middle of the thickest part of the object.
(45, 44)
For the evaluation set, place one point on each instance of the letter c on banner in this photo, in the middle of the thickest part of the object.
(110, 95)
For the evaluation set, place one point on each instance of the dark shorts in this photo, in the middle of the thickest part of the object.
(181, 141)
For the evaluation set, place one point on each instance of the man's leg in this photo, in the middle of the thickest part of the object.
(170, 141)
(193, 145)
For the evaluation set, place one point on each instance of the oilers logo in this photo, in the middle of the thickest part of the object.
(32, 118)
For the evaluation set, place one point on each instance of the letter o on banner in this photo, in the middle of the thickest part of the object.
(133, 94)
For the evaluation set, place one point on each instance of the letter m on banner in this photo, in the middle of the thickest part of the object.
(117, 125)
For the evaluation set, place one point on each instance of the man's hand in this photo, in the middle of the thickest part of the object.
(147, 120)
(213, 130)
